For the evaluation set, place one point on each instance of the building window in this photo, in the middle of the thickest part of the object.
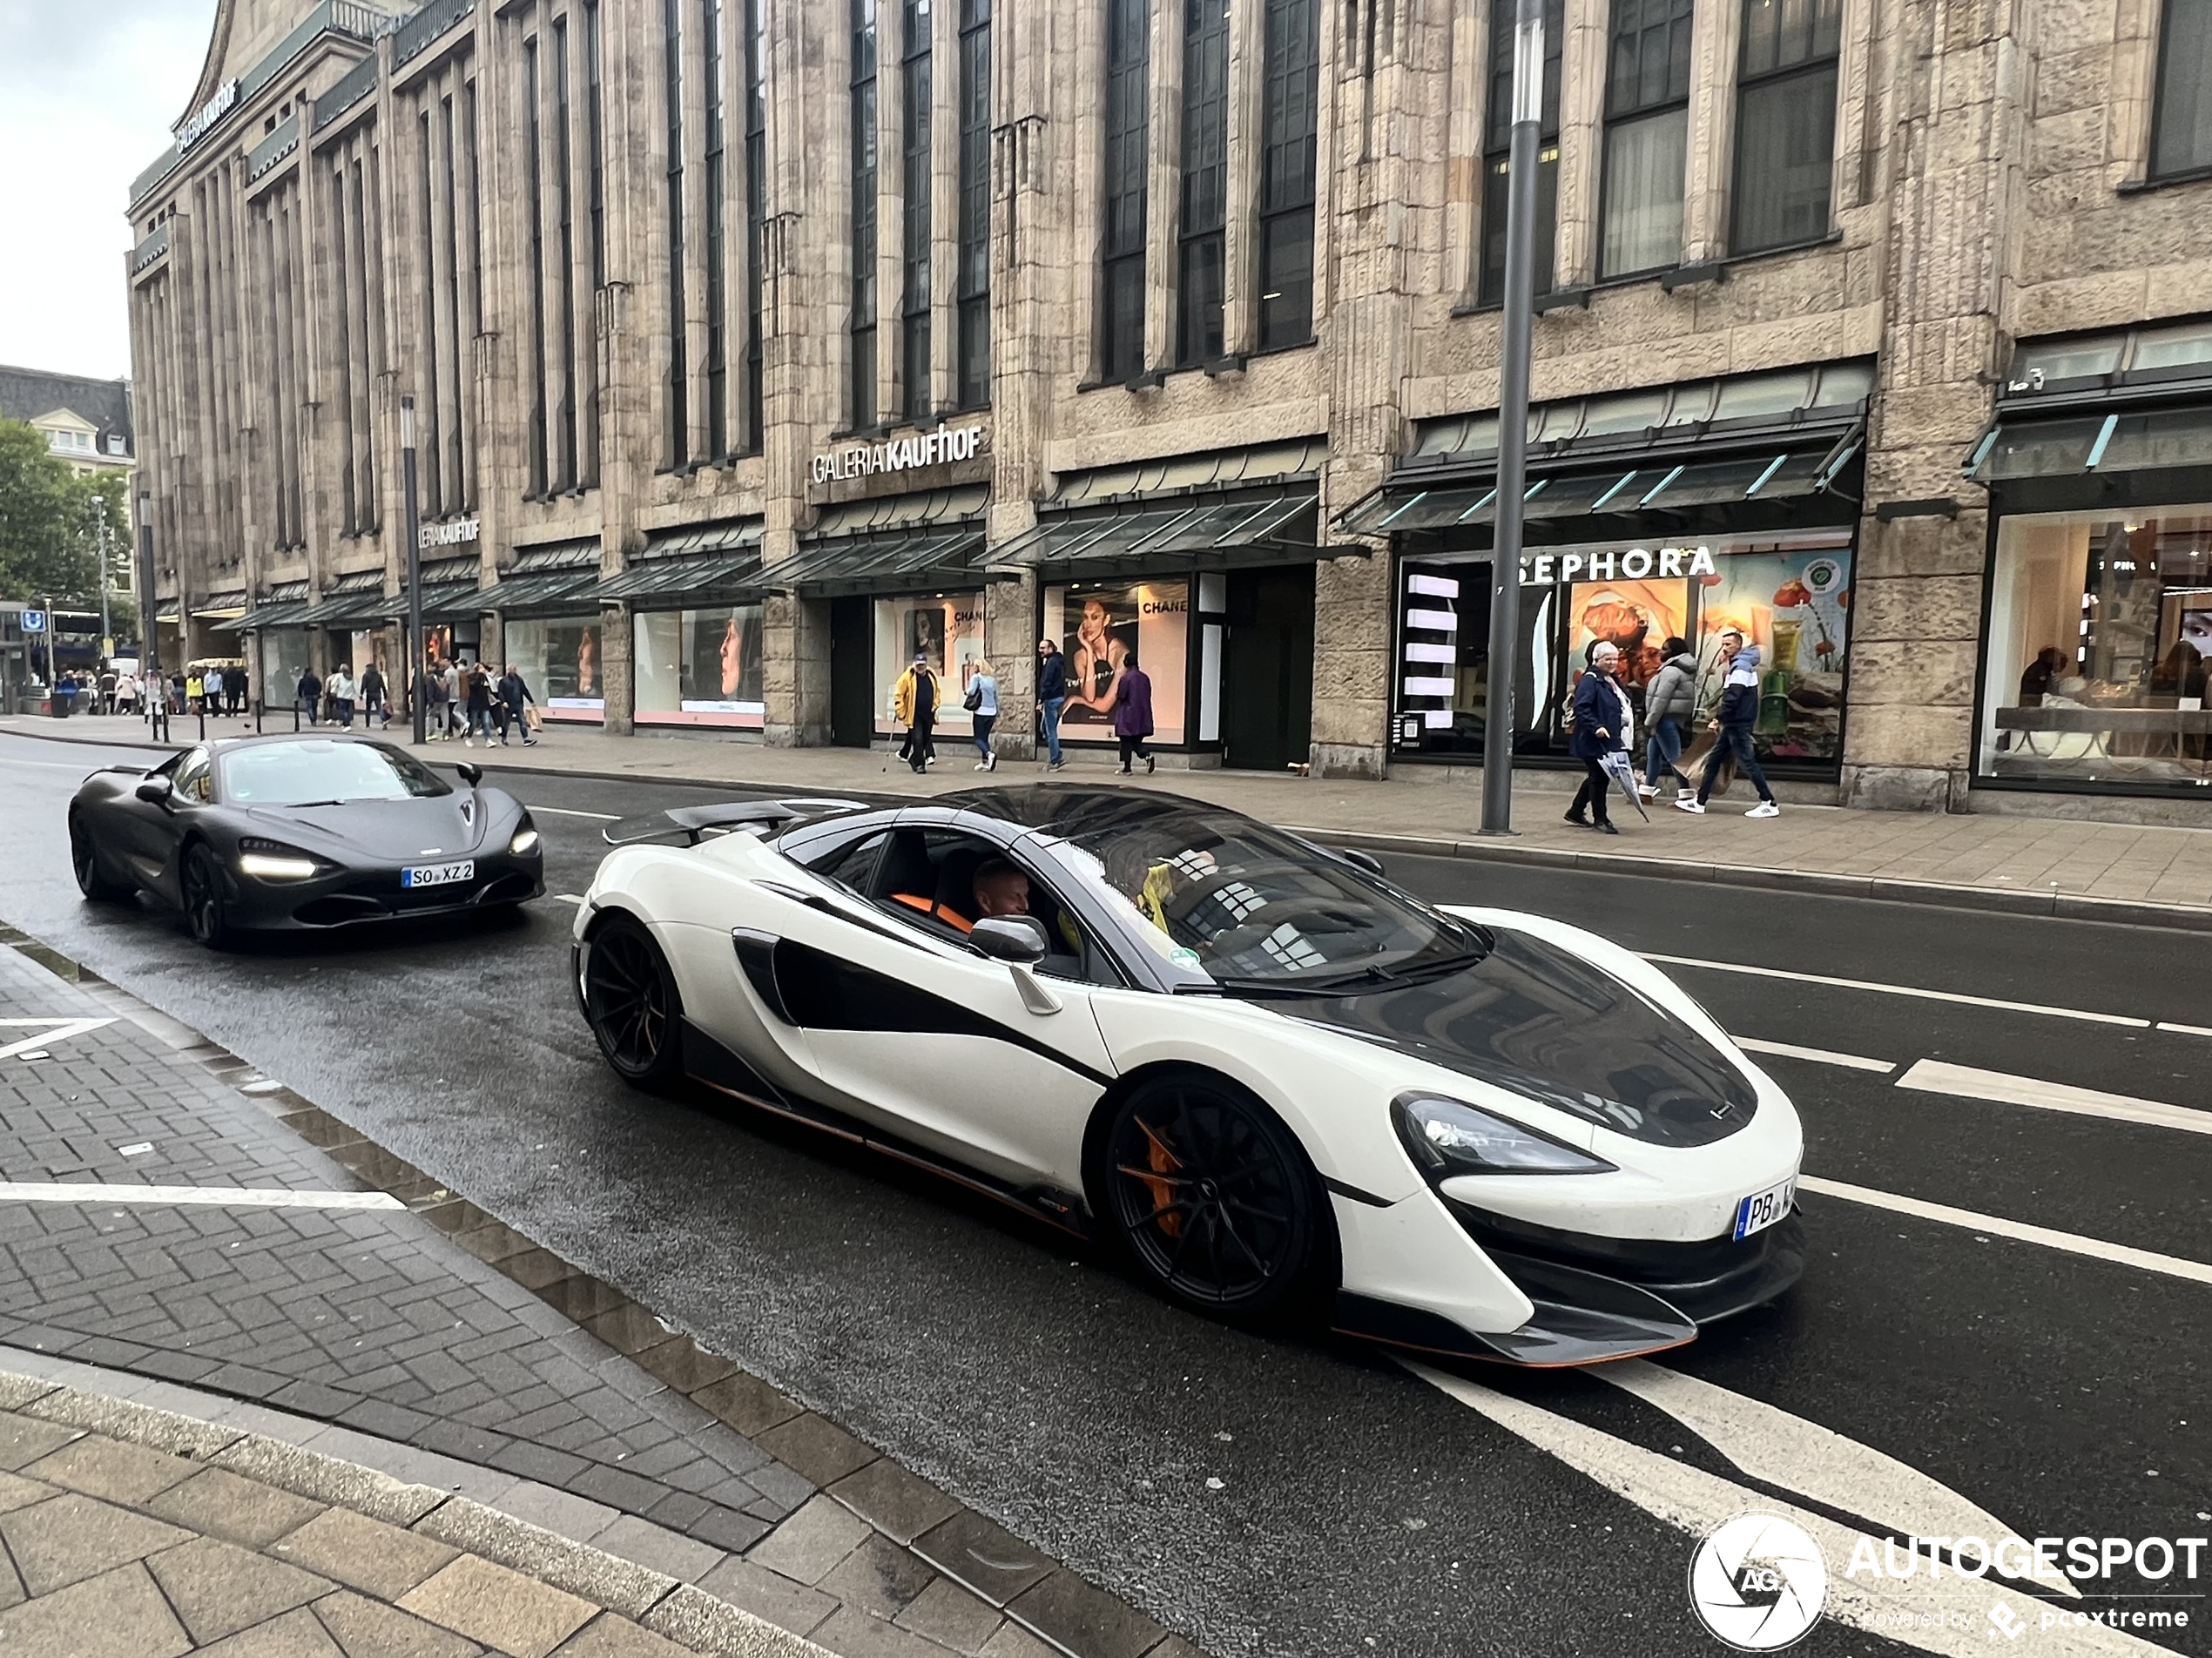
(1121, 284)
(2181, 135)
(1785, 122)
(431, 403)
(1497, 152)
(914, 296)
(534, 186)
(565, 265)
(717, 359)
(862, 324)
(595, 160)
(1205, 180)
(756, 210)
(679, 405)
(1647, 136)
(972, 289)
(1286, 172)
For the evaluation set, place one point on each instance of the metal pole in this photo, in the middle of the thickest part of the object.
(53, 680)
(99, 508)
(149, 630)
(1513, 414)
(414, 646)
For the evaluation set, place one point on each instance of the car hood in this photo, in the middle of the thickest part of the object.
(1539, 1021)
(396, 831)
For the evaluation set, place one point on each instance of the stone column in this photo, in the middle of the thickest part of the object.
(1164, 187)
(1581, 139)
(1716, 31)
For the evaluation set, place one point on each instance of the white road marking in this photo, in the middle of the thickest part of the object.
(565, 812)
(49, 1032)
(2185, 1030)
(1914, 1611)
(1901, 990)
(217, 1197)
(1770, 1444)
(1819, 1056)
(568, 897)
(2146, 1260)
(1939, 1076)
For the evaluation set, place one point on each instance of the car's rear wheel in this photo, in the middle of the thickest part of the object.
(91, 880)
(1212, 1197)
(200, 882)
(631, 1002)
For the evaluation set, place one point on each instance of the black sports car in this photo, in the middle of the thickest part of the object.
(293, 833)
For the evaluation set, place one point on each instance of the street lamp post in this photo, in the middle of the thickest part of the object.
(415, 653)
(107, 633)
(156, 693)
(1513, 414)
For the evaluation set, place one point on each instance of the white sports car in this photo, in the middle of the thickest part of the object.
(1278, 1082)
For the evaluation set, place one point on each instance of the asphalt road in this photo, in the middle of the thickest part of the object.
(1356, 1506)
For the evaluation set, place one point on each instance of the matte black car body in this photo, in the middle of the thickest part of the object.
(359, 846)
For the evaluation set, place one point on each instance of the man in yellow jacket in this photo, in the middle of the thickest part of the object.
(914, 705)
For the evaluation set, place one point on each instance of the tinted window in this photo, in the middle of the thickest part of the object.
(193, 777)
(323, 772)
(939, 879)
(852, 864)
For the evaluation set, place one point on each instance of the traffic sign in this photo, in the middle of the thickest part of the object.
(34, 621)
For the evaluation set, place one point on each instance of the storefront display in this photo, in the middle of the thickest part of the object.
(559, 660)
(284, 654)
(699, 667)
(1790, 596)
(1102, 629)
(2099, 640)
(947, 631)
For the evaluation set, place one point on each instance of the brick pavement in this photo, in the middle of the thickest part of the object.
(2033, 865)
(429, 1342)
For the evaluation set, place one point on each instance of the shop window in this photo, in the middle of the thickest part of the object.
(1105, 627)
(861, 331)
(1490, 279)
(699, 667)
(1120, 296)
(1199, 273)
(913, 299)
(1287, 172)
(1785, 122)
(559, 660)
(2100, 637)
(972, 284)
(1647, 136)
(2182, 134)
(946, 630)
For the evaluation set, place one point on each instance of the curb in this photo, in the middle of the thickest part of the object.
(2067, 907)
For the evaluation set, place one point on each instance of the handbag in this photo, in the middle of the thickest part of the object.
(973, 700)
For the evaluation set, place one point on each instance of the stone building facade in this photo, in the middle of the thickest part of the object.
(756, 346)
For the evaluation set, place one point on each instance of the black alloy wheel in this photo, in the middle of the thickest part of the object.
(92, 879)
(201, 881)
(631, 1002)
(1213, 1197)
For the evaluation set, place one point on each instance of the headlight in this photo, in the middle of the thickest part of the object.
(273, 860)
(525, 840)
(1446, 1137)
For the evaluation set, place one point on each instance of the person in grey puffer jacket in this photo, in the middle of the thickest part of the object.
(1670, 703)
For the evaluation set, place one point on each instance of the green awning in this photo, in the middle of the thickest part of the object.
(666, 583)
(849, 564)
(520, 594)
(274, 613)
(2080, 445)
(1277, 528)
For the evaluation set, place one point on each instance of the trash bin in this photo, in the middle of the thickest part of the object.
(63, 698)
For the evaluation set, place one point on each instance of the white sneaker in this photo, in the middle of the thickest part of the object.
(1648, 790)
(980, 766)
(1689, 804)
(991, 765)
(1685, 794)
(1764, 809)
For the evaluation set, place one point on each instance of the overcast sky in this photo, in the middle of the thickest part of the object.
(88, 91)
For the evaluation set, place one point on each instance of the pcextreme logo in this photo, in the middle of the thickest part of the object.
(1758, 1582)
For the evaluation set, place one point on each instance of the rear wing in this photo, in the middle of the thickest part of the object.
(695, 824)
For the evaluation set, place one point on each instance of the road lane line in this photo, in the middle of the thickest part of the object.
(1768, 1443)
(1916, 1611)
(568, 897)
(2185, 1030)
(216, 1197)
(2121, 1254)
(567, 811)
(1901, 990)
(1939, 1076)
(1817, 1055)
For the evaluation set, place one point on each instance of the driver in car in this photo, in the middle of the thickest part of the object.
(1000, 889)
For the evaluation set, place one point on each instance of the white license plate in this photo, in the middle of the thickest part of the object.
(1762, 1209)
(446, 874)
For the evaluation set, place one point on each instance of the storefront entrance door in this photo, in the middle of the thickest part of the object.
(851, 673)
(1267, 672)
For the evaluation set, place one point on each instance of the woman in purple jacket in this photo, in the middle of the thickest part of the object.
(1133, 714)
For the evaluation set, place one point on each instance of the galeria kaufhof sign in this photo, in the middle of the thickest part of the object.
(940, 448)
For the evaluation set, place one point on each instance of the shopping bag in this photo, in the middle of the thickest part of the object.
(1616, 767)
(532, 718)
(1694, 758)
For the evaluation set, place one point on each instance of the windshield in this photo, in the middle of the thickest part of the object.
(318, 772)
(1233, 900)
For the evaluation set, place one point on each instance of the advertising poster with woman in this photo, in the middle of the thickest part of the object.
(947, 632)
(1100, 631)
(722, 664)
(1638, 618)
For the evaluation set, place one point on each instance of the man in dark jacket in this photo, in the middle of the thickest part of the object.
(475, 690)
(1133, 714)
(1670, 703)
(1052, 697)
(514, 697)
(372, 696)
(1737, 713)
(1602, 721)
(311, 696)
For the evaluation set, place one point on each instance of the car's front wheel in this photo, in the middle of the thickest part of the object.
(91, 880)
(631, 1002)
(200, 882)
(1213, 1197)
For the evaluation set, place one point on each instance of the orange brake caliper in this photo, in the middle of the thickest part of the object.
(1163, 1161)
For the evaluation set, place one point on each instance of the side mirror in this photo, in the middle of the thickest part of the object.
(472, 775)
(1360, 860)
(1018, 940)
(154, 791)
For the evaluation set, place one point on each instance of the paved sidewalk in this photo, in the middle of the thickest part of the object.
(249, 1257)
(2038, 866)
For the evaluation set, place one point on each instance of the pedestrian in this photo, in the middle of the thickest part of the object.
(983, 705)
(476, 693)
(914, 703)
(1133, 714)
(1603, 723)
(339, 689)
(1738, 711)
(515, 700)
(126, 693)
(310, 689)
(195, 688)
(234, 688)
(1052, 697)
(372, 695)
(105, 702)
(1670, 703)
(176, 691)
(451, 694)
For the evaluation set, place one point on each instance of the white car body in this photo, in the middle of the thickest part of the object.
(1004, 1092)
